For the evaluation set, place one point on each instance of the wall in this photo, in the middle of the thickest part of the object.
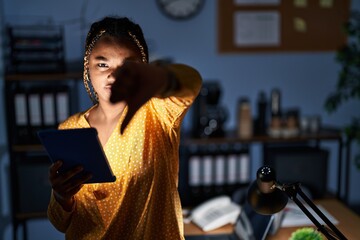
(304, 78)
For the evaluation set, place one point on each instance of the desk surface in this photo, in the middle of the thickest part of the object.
(349, 223)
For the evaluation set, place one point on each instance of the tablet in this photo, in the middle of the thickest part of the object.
(76, 147)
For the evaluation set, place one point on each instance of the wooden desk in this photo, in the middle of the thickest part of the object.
(349, 223)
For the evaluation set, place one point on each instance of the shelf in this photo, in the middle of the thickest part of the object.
(43, 76)
(328, 133)
(27, 148)
(32, 215)
(31, 49)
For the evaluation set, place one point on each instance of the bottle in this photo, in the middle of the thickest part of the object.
(261, 121)
(275, 101)
(245, 128)
(275, 110)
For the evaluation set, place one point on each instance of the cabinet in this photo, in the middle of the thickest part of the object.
(33, 102)
(201, 148)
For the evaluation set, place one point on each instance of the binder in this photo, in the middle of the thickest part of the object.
(35, 109)
(20, 109)
(194, 171)
(62, 106)
(231, 169)
(35, 115)
(220, 169)
(48, 106)
(243, 163)
(244, 167)
(214, 169)
(21, 128)
(207, 175)
(219, 176)
(207, 161)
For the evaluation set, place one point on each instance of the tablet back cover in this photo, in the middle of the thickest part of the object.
(78, 147)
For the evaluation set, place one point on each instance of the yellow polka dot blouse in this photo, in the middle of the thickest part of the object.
(143, 203)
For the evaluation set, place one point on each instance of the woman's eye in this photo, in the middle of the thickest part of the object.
(102, 65)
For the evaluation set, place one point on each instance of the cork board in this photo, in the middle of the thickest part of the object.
(281, 25)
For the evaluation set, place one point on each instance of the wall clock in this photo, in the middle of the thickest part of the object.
(180, 9)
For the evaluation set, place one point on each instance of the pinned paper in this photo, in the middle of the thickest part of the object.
(300, 25)
(257, 28)
(300, 3)
(326, 3)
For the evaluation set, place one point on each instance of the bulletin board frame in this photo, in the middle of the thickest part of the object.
(303, 25)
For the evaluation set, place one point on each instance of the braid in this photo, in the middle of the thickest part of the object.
(120, 28)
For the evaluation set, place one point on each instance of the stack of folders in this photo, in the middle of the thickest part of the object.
(38, 108)
(218, 168)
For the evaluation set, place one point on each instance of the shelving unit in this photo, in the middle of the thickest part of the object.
(39, 93)
(55, 93)
(191, 147)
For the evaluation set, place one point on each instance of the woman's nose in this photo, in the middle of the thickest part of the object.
(111, 76)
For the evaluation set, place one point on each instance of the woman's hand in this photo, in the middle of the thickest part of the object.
(135, 83)
(65, 185)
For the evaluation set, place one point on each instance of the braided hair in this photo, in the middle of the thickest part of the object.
(120, 28)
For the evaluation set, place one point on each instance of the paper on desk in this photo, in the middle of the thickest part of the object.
(294, 216)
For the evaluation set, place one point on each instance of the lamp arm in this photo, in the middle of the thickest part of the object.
(292, 190)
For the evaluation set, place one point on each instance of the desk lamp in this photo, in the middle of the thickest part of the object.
(267, 196)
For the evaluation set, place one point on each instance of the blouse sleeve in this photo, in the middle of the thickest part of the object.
(58, 216)
(173, 108)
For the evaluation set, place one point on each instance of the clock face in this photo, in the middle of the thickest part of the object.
(180, 9)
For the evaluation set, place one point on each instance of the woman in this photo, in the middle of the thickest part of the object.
(138, 110)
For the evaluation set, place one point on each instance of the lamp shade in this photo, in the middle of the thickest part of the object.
(263, 195)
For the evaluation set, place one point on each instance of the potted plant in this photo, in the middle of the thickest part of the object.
(348, 84)
(306, 233)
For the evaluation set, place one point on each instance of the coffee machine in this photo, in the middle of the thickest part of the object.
(208, 115)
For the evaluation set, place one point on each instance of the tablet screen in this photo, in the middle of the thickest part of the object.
(76, 147)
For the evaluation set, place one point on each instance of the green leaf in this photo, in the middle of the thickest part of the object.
(306, 233)
(348, 84)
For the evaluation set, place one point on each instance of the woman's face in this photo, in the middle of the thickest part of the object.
(106, 56)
